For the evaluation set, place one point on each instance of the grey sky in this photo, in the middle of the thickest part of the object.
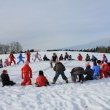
(47, 24)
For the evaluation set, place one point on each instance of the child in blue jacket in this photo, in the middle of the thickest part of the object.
(96, 69)
(20, 57)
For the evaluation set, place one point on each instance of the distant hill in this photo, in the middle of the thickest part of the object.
(103, 42)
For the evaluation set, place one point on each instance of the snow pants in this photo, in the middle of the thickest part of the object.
(57, 75)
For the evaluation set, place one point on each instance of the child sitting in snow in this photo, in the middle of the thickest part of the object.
(6, 63)
(41, 80)
(96, 69)
(6, 79)
(88, 72)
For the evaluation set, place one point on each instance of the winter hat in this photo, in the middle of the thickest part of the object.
(41, 72)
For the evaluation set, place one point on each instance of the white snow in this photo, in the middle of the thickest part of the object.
(91, 95)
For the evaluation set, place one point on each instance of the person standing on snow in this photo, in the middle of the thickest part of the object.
(26, 73)
(20, 57)
(37, 56)
(59, 68)
(28, 56)
(12, 58)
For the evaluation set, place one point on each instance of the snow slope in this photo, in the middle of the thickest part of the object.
(91, 95)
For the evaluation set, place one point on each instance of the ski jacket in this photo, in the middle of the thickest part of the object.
(96, 69)
(41, 81)
(26, 72)
(20, 56)
(59, 67)
(77, 70)
(89, 72)
(28, 56)
(105, 67)
(80, 57)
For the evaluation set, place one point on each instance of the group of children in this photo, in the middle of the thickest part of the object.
(26, 74)
(11, 59)
(99, 69)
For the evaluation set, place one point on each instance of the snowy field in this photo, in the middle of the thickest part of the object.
(91, 95)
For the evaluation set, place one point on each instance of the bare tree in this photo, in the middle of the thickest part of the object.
(5, 49)
(15, 47)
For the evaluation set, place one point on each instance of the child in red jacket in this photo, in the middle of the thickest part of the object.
(12, 58)
(28, 56)
(41, 80)
(80, 58)
(26, 74)
(104, 70)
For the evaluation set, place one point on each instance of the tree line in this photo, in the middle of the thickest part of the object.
(14, 47)
(99, 49)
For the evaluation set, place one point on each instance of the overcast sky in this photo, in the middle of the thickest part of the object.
(47, 24)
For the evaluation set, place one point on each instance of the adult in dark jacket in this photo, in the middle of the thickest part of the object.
(77, 71)
(89, 73)
(28, 55)
(6, 79)
(59, 68)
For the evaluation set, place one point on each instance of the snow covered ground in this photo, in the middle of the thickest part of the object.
(91, 95)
